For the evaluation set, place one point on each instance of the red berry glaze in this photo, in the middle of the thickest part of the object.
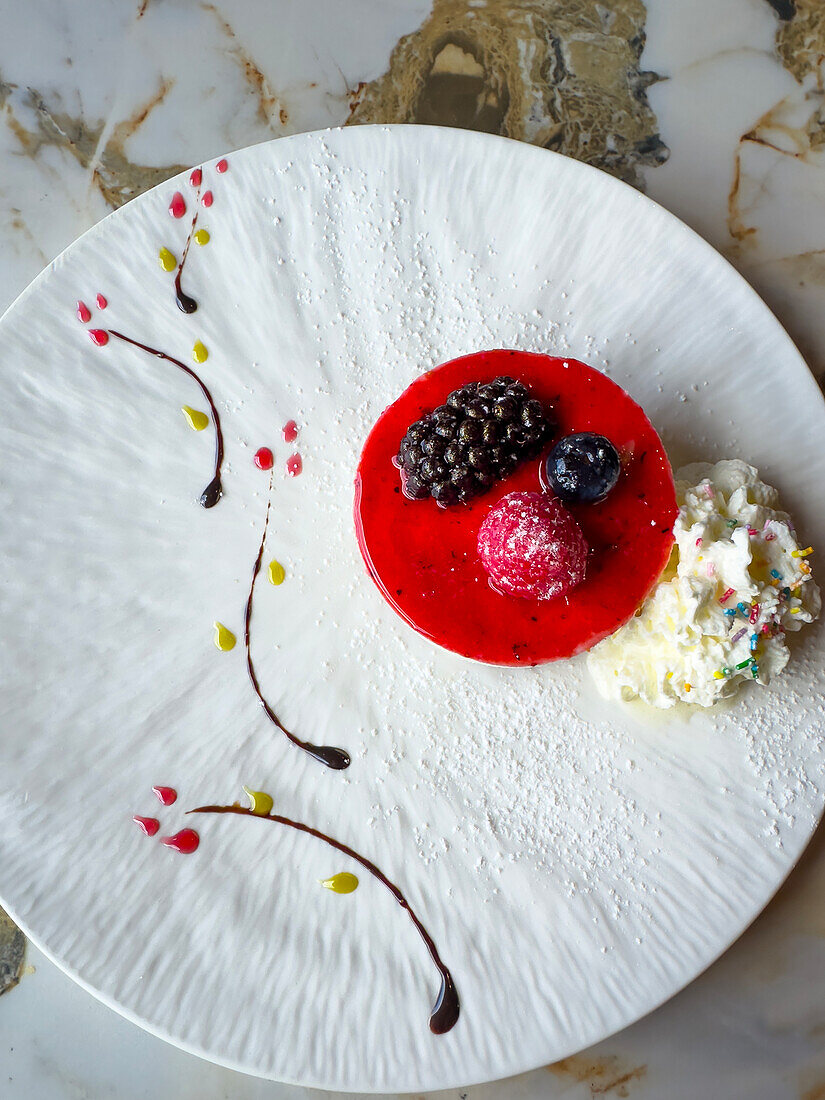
(532, 547)
(264, 458)
(425, 559)
(207, 199)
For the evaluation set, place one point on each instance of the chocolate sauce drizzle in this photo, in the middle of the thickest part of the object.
(326, 754)
(185, 303)
(447, 1006)
(212, 493)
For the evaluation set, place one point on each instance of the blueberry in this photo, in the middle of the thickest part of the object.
(583, 468)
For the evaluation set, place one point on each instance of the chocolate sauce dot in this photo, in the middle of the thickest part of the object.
(447, 1006)
(334, 758)
(185, 303)
(212, 493)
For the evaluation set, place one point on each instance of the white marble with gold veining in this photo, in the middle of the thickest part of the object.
(100, 100)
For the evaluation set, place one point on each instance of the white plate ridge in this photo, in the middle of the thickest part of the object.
(576, 863)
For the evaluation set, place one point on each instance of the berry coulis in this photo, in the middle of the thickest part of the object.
(424, 558)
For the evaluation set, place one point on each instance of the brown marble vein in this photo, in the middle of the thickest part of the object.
(563, 74)
(12, 953)
(605, 1075)
(270, 108)
(115, 175)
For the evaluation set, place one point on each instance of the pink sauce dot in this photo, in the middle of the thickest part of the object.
(101, 302)
(165, 795)
(177, 207)
(196, 177)
(149, 825)
(186, 841)
(294, 465)
(99, 336)
(290, 430)
(264, 458)
(222, 165)
(207, 199)
(83, 313)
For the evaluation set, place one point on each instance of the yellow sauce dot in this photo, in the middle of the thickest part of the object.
(342, 883)
(276, 573)
(196, 419)
(224, 639)
(167, 260)
(259, 801)
(199, 352)
(202, 236)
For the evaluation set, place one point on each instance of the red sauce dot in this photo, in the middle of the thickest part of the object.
(196, 177)
(149, 825)
(290, 431)
(222, 165)
(264, 459)
(99, 336)
(177, 207)
(165, 795)
(101, 302)
(186, 841)
(294, 465)
(83, 312)
(208, 198)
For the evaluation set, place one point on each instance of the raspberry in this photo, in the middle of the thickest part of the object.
(532, 547)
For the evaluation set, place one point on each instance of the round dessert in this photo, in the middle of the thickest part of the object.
(424, 556)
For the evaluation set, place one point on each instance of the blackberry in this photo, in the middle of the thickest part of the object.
(477, 437)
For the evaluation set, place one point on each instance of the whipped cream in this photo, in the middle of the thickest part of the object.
(738, 580)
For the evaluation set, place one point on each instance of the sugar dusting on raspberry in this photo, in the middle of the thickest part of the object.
(532, 547)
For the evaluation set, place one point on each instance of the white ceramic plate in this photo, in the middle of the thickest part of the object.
(575, 863)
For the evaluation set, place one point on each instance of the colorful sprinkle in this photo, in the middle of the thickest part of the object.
(290, 433)
(167, 260)
(199, 352)
(687, 687)
(802, 553)
(752, 531)
(741, 608)
(177, 207)
(668, 675)
(149, 825)
(202, 236)
(770, 537)
(84, 314)
(766, 628)
(729, 612)
(739, 634)
(745, 663)
(795, 610)
(196, 419)
(196, 177)
(754, 642)
(101, 302)
(725, 670)
(99, 336)
(222, 165)
(167, 796)
(710, 568)
(718, 675)
(804, 567)
(754, 670)
(730, 523)
(726, 595)
(754, 614)
(259, 802)
(294, 465)
(208, 198)
(276, 573)
(185, 842)
(777, 574)
(224, 639)
(342, 883)
(264, 458)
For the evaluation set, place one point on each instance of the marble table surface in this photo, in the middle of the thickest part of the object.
(715, 108)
